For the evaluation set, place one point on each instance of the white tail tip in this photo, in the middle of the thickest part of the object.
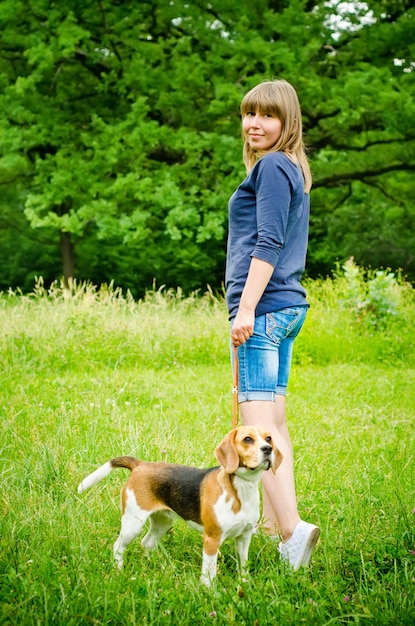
(95, 477)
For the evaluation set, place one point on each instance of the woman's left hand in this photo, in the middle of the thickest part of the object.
(242, 327)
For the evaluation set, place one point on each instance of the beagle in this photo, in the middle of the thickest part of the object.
(220, 502)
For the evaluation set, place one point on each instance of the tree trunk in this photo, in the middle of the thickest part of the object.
(68, 257)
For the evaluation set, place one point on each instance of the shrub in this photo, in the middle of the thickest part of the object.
(372, 296)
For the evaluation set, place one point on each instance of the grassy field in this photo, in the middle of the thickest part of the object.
(89, 375)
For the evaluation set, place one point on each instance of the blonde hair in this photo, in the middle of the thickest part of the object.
(279, 98)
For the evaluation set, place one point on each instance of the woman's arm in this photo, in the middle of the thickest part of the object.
(258, 278)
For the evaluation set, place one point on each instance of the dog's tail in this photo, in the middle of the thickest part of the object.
(129, 462)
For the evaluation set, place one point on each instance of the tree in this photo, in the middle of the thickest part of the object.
(363, 142)
(121, 128)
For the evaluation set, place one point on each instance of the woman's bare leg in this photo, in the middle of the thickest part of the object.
(279, 498)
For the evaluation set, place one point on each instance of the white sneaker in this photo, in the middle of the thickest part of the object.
(298, 549)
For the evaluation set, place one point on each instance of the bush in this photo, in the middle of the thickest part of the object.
(372, 296)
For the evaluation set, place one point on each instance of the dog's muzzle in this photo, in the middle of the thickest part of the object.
(267, 453)
(265, 465)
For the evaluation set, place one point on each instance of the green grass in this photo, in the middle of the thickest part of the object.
(86, 376)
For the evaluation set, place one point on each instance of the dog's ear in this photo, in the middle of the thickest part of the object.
(227, 454)
(278, 457)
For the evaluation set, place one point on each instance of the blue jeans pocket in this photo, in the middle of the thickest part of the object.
(285, 323)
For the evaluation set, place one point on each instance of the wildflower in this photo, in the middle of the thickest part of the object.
(346, 598)
(212, 614)
(311, 601)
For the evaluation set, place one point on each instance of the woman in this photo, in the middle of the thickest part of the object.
(267, 244)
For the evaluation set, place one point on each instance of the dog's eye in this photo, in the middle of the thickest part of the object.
(268, 439)
(248, 440)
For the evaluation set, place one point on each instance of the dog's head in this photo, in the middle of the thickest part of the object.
(248, 447)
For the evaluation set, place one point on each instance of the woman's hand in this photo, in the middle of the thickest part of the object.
(242, 327)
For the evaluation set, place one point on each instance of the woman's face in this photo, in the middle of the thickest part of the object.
(261, 130)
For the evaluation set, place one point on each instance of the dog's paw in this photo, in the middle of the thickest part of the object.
(206, 581)
(149, 542)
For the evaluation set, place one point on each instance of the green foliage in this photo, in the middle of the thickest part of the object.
(359, 316)
(89, 373)
(374, 298)
(120, 128)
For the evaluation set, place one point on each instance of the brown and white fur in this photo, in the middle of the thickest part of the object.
(220, 502)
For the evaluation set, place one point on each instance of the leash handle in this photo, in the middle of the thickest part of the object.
(235, 388)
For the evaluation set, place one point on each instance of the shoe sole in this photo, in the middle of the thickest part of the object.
(308, 549)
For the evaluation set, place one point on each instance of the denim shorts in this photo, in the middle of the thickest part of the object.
(265, 359)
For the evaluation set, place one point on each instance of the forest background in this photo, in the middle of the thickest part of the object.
(120, 133)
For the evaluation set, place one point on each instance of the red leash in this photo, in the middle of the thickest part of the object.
(235, 388)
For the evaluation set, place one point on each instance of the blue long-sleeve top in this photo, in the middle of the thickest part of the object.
(268, 219)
